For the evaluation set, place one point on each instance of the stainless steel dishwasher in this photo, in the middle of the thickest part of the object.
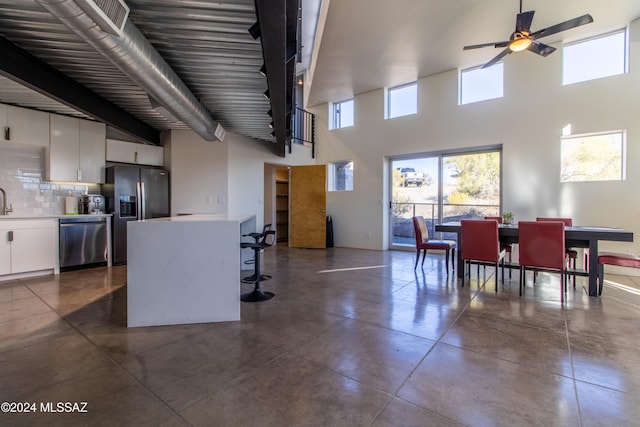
(83, 242)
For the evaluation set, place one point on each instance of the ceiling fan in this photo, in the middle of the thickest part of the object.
(523, 39)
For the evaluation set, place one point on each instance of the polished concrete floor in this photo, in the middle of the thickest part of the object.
(352, 338)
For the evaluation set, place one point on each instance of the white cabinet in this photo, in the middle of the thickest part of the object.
(77, 150)
(28, 245)
(92, 151)
(5, 250)
(130, 152)
(24, 126)
(3, 122)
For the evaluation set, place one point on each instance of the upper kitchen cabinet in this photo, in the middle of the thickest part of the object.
(130, 152)
(24, 126)
(77, 150)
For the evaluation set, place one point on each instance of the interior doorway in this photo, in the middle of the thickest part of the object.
(276, 200)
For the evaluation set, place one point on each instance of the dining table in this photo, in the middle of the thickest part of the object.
(575, 237)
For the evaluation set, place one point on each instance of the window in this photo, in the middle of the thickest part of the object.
(480, 84)
(595, 157)
(341, 176)
(342, 114)
(441, 187)
(595, 58)
(402, 100)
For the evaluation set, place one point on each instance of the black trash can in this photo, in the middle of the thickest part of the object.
(329, 232)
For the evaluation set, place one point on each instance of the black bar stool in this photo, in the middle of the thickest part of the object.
(258, 294)
(257, 236)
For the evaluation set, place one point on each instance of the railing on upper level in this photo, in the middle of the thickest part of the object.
(303, 124)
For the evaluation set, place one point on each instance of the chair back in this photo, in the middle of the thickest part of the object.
(495, 218)
(269, 238)
(568, 222)
(542, 244)
(480, 240)
(420, 229)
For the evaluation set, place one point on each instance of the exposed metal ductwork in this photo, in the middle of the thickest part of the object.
(136, 57)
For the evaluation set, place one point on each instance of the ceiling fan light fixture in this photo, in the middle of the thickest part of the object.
(520, 43)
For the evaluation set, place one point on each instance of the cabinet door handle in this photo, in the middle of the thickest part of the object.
(79, 175)
(7, 133)
(10, 236)
(135, 158)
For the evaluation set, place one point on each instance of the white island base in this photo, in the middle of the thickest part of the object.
(184, 269)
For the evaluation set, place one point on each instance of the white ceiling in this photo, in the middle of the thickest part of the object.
(370, 44)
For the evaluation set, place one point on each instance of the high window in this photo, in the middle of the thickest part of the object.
(480, 84)
(340, 176)
(593, 157)
(595, 58)
(342, 114)
(402, 101)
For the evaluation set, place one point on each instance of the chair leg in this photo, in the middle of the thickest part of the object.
(424, 255)
(453, 264)
(600, 278)
(509, 266)
(497, 267)
(574, 274)
(446, 261)
(521, 279)
(417, 259)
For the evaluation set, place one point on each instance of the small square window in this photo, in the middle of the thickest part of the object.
(598, 57)
(480, 84)
(342, 114)
(597, 157)
(402, 100)
(341, 176)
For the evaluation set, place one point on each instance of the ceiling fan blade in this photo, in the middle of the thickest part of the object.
(493, 44)
(523, 21)
(541, 48)
(563, 26)
(497, 58)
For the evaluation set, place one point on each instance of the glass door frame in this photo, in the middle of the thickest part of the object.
(440, 155)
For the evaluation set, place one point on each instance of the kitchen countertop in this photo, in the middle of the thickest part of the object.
(9, 217)
(203, 217)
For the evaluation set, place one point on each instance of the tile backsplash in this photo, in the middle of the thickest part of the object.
(22, 176)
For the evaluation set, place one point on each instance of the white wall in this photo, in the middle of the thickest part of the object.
(247, 158)
(527, 122)
(227, 177)
(198, 170)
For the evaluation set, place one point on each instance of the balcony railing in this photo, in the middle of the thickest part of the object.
(402, 224)
(304, 129)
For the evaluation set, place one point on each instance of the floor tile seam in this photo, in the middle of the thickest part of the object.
(343, 375)
(532, 368)
(411, 402)
(526, 325)
(239, 379)
(112, 361)
(436, 342)
(573, 372)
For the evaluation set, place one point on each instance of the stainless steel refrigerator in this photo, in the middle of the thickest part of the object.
(134, 193)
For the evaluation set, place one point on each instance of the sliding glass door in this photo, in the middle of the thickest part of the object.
(442, 187)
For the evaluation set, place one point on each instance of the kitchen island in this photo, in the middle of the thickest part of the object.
(185, 269)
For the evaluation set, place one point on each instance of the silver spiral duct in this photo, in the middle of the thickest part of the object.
(137, 58)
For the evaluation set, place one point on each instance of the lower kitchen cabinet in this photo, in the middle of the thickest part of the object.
(28, 245)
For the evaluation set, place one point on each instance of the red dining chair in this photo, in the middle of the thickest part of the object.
(541, 247)
(617, 259)
(572, 254)
(506, 246)
(423, 243)
(481, 245)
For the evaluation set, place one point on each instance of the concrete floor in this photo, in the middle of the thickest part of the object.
(352, 338)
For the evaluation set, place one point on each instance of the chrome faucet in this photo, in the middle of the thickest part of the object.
(5, 210)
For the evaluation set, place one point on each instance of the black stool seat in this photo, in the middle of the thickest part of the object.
(268, 239)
